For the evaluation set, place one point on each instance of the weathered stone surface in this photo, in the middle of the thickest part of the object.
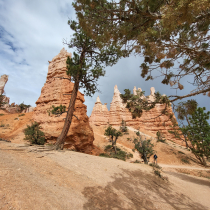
(30, 109)
(3, 81)
(80, 135)
(100, 113)
(151, 120)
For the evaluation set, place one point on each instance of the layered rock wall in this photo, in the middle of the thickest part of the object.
(57, 91)
(151, 120)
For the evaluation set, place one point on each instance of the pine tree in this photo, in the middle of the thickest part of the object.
(144, 147)
(84, 69)
(112, 132)
(166, 33)
(197, 133)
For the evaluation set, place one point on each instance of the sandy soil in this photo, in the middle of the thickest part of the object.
(38, 178)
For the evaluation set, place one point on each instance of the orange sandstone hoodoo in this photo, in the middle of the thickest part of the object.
(151, 120)
(57, 91)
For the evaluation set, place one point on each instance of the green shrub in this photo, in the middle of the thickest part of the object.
(155, 165)
(108, 147)
(1, 114)
(104, 155)
(2, 125)
(137, 161)
(110, 152)
(181, 152)
(16, 118)
(160, 137)
(120, 155)
(129, 155)
(158, 173)
(20, 115)
(123, 127)
(23, 106)
(185, 161)
(34, 134)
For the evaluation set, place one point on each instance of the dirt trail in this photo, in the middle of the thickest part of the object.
(34, 178)
(184, 166)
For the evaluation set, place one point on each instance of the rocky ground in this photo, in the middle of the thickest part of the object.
(35, 177)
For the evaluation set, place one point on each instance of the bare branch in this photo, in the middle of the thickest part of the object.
(63, 78)
(189, 95)
(75, 116)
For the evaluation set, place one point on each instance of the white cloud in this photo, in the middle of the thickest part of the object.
(31, 33)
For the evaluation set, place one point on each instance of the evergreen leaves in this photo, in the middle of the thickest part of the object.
(144, 147)
(164, 32)
(136, 104)
(34, 134)
(198, 134)
(89, 60)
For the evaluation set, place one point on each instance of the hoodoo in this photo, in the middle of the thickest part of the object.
(57, 91)
(151, 120)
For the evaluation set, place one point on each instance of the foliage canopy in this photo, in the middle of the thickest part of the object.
(171, 35)
(197, 134)
(112, 132)
(144, 147)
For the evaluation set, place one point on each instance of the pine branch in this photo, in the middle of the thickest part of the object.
(189, 95)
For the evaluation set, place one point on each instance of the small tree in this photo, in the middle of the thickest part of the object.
(160, 137)
(197, 132)
(84, 69)
(34, 134)
(23, 106)
(144, 147)
(123, 127)
(112, 132)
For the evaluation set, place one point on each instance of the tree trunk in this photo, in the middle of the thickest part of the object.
(61, 139)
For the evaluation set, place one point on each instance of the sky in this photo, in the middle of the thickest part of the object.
(32, 33)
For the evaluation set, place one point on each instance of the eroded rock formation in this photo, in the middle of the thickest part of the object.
(3, 81)
(151, 120)
(57, 91)
(100, 113)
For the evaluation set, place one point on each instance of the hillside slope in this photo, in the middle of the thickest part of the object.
(38, 178)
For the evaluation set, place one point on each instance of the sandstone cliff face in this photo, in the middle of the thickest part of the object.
(149, 120)
(80, 135)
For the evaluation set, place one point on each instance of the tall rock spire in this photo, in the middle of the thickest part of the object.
(57, 91)
(3, 81)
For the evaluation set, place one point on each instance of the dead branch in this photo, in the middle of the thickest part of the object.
(75, 116)
(63, 78)
(189, 95)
